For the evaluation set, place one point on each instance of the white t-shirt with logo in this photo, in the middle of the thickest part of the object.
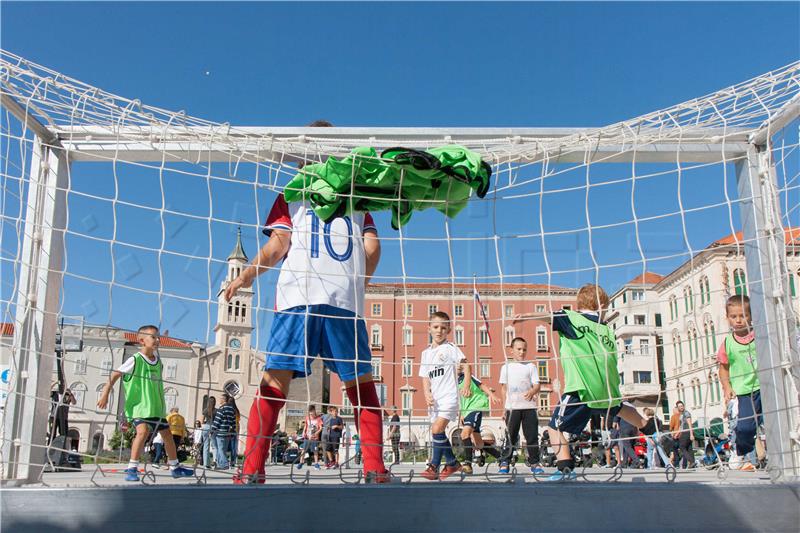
(519, 377)
(326, 263)
(440, 365)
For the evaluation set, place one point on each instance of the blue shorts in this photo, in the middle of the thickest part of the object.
(298, 337)
(571, 415)
(474, 420)
(153, 424)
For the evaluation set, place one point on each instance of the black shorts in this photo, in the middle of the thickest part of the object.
(154, 424)
(571, 415)
(331, 446)
(474, 420)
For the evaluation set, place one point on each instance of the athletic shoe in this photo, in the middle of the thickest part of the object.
(747, 467)
(431, 473)
(316, 466)
(449, 470)
(182, 471)
(606, 466)
(377, 477)
(334, 465)
(131, 474)
(503, 468)
(560, 476)
(537, 470)
(466, 468)
(299, 466)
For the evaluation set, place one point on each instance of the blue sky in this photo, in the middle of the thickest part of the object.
(412, 64)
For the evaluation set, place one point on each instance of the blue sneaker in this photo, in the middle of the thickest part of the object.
(299, 466)
(181, 471)
(131, 474)
(316, 466)
(560, 476)
(537, 470)
(503, 468)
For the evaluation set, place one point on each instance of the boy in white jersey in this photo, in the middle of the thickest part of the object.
(439, 372)
(319, 308)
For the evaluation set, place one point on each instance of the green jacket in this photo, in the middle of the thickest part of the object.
(401, 180)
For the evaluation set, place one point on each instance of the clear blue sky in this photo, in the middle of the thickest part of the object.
(412, 64)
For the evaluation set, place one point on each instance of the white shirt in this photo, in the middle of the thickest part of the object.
(519, 377)
(440, 365)
(326, 263)
(158, 439)
(129, 364)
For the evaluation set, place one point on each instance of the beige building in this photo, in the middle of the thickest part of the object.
(692, 300)
(637, 321)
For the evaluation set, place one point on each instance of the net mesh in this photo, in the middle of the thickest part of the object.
(155, 200)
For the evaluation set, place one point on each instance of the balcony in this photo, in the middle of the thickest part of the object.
(640, 389)
(376, 347)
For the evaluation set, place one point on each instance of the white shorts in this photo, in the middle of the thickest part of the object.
(449, 412)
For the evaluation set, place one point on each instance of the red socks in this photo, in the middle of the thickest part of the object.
(260, 427)
(369, 423)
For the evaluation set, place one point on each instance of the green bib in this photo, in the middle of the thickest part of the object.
(743, 366)
(590, 362)
(477, 401)
(144, 390)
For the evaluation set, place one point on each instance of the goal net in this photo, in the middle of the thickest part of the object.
(117, 214)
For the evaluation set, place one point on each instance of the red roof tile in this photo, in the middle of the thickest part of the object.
(8, 328)
(480, 286)
(791, 236)
(166, 342)
(648, 278)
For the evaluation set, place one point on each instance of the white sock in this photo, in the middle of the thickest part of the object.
(133, 464)
(173, 464)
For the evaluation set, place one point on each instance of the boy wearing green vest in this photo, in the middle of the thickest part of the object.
(588, 353)
(738, 373)
(472, 408)
(144, 402)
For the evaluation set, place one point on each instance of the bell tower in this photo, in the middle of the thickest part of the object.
(234, 318)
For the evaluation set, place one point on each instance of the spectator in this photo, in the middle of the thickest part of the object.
(158, 450)
(208, 418)
(197, 441)
(685, 436)
(332, 429)
(312, 429)
(278, 445)
(177, 426)
(654, 451)
(222, 428)
(233, 448)
(59, 414)
(394, 434)
(675, 430)
(627, 433)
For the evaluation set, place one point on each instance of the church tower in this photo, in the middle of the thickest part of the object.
(234, 318)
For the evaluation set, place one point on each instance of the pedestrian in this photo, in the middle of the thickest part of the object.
(222, 428)
(333, 426)
(685, 436)
(208, 418)
(177, 426)
(233, 443)
(312, 431)
(197, 441)
(627, 434)
(394, 435)
(158, 450)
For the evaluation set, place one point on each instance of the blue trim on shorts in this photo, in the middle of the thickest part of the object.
(474, 419)
(571, 415)
(343, 346)
(155, 424)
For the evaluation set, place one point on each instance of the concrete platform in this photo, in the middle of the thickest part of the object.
(311, 500)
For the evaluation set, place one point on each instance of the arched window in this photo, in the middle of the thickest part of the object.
(676, 345)
(689, 342)
(79, 393)
(229, 361)
(672, 305)
(484, 336)
(376, 336)
(170, 398)
(237, 361)
(739, 281)
(679, 389)
(230, 311)
(706, 338)
(510, 333)
(244, 311)
(696, 344)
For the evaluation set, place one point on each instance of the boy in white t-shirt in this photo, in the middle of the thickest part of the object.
(439, 373)
(520, 381)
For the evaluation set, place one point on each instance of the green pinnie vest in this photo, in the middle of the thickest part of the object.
(400, 179)
(743, 366)
(144, 390)
(590, 362)
(477, 401)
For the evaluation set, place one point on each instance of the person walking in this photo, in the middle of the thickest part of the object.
(208, 418)
(394, 434)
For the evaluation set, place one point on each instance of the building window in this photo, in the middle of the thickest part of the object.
(406, 399)
(566, 307)
(170, 398)
(408, 336)
(539, 308)
(459, 310)
(171, 370)
(544, 402)
(673, 308)
(739, 282)
(376, 337)
(229, 361)
(541, 339)
(713, 334)
(658, 320)
(622, 378)
(543, 373)
(637, 295)
(485, 308)
(705, 291)
(640, 376)
(458, 334)
(509, 335)
(236, 362)
(681, 392)
(676, 346)
(232, 388)
(347, 407)
(99, 393)
(484, 368)
(80, 366)
(696, 345)
(377, 309)
(644, 346)
(376, 367)
(627, 347)
(432, 308)
(640, 320)
(508, 311)
(407, 367)
(484, 336)
(688, 299)
(691, 346)
(381, 389)
(408, 310)
(105, 367)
